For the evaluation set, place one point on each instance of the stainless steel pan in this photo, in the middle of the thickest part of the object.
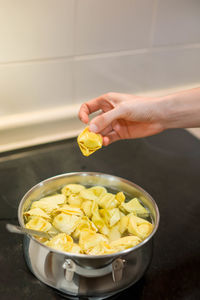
(80, 275)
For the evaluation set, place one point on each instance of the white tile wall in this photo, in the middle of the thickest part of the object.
(34, 86)
(173, 68)
(112, 25)
(178, 22)
(36, 29)
(123, 73)
(55, 54)
(137, 73)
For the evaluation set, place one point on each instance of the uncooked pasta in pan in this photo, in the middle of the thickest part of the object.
(90, 220)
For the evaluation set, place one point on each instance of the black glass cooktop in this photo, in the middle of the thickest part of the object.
(166, 165)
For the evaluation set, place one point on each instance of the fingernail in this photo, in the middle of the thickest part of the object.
(93, 128)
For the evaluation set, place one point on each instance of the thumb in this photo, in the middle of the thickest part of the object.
(100, 122)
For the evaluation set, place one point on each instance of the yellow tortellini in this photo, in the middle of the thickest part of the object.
(120, 197)
(76, 249)
(49, 204)
(87, 208)
(123, 224)
(71, 189)
(90, 220)
(134, 206)
(62, 242)
(111, 216)
(98, 191)
(89, 142)
(108, 201)
(38, 223)
(65, 223)
(99, 222)
(89, 240)
(74, 200)
(124, 243)
(114, 234)
(69, 210)
(88, 195)
(83, 224)
(140, 227)
(114, 216)
(37, 212)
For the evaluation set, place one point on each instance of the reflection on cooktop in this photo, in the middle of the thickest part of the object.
(132, 292)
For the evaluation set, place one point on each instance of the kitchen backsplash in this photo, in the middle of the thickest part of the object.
(55, 54)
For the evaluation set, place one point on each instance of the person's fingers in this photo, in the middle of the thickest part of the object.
(107, 130)
(99, 123)
(110, 128)
(123, 128)
(100, 103)
(105, 141)
(110, 138)
(83, 113)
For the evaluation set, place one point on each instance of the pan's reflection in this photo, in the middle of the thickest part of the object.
(133, 292)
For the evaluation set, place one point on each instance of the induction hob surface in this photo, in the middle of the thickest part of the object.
(166, 165)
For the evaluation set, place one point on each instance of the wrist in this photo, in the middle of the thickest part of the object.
(162, 109)
(168, 112)
(180, 110)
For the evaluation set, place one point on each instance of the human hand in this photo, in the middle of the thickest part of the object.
(123, 116)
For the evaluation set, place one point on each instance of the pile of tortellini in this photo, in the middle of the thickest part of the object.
(89, 220)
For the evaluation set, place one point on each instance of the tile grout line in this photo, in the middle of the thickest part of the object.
(153, 24)
(74, 82)
(136, 51)
(152, 49)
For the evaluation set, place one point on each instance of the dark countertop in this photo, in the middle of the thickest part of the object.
(166, 165)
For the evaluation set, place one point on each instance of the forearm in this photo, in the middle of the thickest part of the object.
(181, 110)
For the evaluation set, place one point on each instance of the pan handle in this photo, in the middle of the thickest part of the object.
(21, 230)
(116, 268)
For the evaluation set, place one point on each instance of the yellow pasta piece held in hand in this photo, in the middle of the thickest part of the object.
(89, 142)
